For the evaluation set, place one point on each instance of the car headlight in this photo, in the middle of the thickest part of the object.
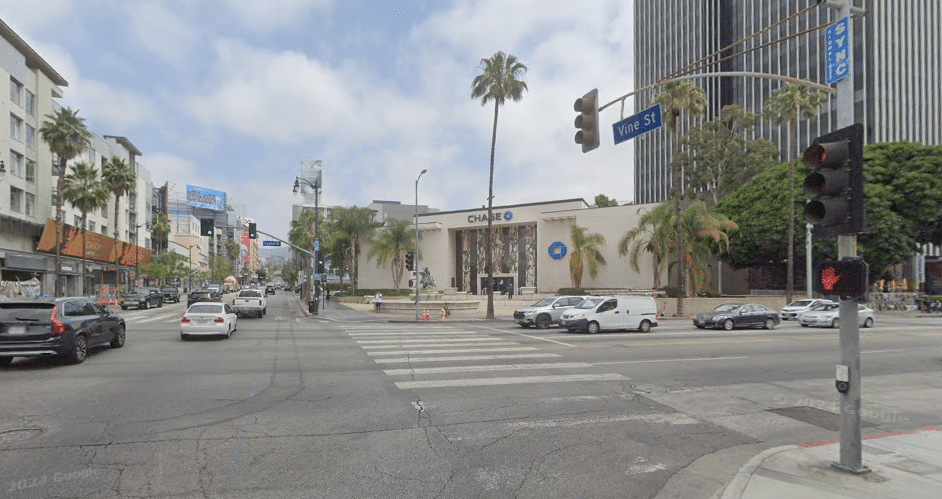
(721, 317)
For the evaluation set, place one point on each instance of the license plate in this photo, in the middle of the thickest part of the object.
(16, 330)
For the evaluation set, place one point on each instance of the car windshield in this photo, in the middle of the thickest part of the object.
(800, 303)
(590, 303)
(205, 309)
(727, 308)
(545, 302)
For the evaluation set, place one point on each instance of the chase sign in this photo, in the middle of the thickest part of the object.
(557, 250)
(496, 217)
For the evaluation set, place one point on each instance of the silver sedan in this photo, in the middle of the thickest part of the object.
(827, 315)
(207, 318)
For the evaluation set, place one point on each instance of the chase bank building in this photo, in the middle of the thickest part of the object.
(531, 248)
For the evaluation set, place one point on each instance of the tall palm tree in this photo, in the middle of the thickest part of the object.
(390, 245)
(679, 98)
(85, 191)
(119, 177)
(67, 137)
(501, 78)
(585, 252)
(704, 231)
(654, 234)
(160, 228)
(784, 106)
(355, 225)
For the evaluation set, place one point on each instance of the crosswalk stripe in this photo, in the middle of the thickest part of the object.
(369, 343)
(458, 358)
(433, 345)
(450, 383)
(492, 367)
(396, 335)
(459, 350)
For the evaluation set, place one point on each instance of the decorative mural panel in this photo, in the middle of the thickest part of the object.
(514, 251)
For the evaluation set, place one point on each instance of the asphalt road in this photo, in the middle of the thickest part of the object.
(298, 407)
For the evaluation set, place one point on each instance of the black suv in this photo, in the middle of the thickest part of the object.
(171, 294)
(64, 327)
(269, 290)
(143, 298)
(198, 295)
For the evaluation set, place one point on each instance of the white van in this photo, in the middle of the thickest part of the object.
(600, 313)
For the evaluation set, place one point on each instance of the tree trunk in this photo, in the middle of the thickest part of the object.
(117, 198)
(488, 237)
(790, 278)
(60, 184)
(679, 186)
(84, 249)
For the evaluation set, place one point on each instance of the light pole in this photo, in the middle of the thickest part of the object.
(415, 268)
(313, 294)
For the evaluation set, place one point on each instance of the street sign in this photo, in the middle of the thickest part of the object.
(271, 243)
(639, 124)
(836, 54)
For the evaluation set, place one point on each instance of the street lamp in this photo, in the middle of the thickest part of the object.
(316, 185)
(415, 268)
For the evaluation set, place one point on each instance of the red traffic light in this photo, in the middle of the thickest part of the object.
(848, 278)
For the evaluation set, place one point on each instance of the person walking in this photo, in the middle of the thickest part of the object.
(378, 300)
(510, 291)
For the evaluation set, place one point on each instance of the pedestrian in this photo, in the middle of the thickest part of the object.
(379, 301)
(510, 291)
(327, 293)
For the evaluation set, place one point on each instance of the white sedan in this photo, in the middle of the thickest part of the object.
(827, 315)
(208, 318)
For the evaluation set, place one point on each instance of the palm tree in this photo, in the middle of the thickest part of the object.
(500, 79)
(355, 225)
(785, 105)
(301, 235)
(678, 98)
(160, 228)
(654, 234)
(585, 251)
(391, 245)
(119, 179)
(67, 137)
(703, 231)
(85, 191)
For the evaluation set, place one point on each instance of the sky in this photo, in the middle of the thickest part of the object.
(235, 95)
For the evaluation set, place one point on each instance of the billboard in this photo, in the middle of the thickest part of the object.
(97, 247)
(244, 246)
(202, 197)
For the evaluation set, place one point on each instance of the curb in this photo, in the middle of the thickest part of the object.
(738, 484)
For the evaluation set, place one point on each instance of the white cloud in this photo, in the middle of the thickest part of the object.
(270, 15)
(163, 32)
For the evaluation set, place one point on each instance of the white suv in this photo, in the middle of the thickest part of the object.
(546, 312)
(791, 311)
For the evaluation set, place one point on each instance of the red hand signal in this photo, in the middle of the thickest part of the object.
(829, 279)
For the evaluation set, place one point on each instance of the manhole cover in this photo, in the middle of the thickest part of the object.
(651, 389)
(19, 434)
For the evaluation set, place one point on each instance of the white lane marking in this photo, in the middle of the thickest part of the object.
(436, 344)
(667, 360)
(493, 367)
(529, 336)
(410, 360)
(448, 383)
(458, 350)
(675, 418)
(882, 351)
(152, 319)
(429, 333)
(427, 340)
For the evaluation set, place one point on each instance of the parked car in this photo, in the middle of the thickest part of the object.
(201, 295)
(733, 315)
(546, 312)
(600, 313)
(828, 315)
(269, 290)
(63, 327)
(210, 318)
(791, 311)
(171, 294)
(143, 298)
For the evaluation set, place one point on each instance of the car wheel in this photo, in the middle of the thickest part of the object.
(5, 361)
(119, 338)
(804, 325)
(79, 350)
(645, 326)
(868, 322)
(146, 304)
(836, 323)
(592, 327)
(701, 327)
(184, 337)
(160, 303)
(264, 310)
(543, 322)
(123, 307)
(525, 326)
(728, 324)
(769, 323)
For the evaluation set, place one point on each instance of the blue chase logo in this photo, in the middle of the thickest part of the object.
(557, 250)
(508, 215)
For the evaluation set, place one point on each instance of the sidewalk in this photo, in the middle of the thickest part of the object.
(902, 465)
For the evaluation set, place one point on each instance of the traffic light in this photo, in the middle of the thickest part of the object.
(588, 120)
(206, 227)
(410, 261)
(835, 183)
(320, 265)
(252, 233)
(848, 278)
